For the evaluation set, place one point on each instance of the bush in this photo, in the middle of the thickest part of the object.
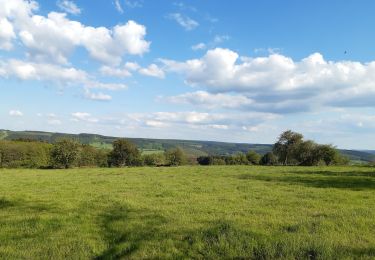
(155, 159)
(124, 153)
(65, 153)
(253, 157)
(269, 159)
(24, 154)
(175, 157)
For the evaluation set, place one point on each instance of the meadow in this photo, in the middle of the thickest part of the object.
(213, 212)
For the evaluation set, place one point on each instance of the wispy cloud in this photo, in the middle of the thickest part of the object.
(118, 6)
(186, 22)
(134, 3)
(69, 7)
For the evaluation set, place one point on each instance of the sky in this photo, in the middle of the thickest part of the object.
(232, 71)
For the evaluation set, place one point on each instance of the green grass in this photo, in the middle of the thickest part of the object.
(188, 212)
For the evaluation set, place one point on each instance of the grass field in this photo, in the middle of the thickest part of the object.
(188, 212)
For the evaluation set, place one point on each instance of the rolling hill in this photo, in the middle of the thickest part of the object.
(191, 147)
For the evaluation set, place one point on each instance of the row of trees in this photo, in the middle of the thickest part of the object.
(290, 149)
(67, 153)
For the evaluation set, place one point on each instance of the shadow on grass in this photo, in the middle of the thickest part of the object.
(125, 229)
(338, 173)
(4, 203)
(328, 180)
(224, 240)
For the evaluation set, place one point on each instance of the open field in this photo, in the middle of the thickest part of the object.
(193, 212)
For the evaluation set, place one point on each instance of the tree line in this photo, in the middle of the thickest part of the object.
(290, 149)
(68, 153)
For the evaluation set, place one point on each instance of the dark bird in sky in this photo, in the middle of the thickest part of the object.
(345, 52)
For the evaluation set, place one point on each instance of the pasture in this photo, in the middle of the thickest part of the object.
(188, 212)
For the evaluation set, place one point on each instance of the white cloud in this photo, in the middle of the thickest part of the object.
(115, 72)
(83, 116)
(212, 101)
(278, 83)
(54, 37)
(69, 7)
(15, 113)
(199, 119)
(7, 34)
(133, 66)
(153, 71)
(199, 46)
(211, 44)
(118, 6)
(54, 122)
(186, 22)
(53, 73)
(97, 96)
(134, 3)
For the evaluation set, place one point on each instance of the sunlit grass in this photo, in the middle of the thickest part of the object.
(193, 212)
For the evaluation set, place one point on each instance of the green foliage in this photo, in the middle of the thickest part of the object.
(286, 147)
(20, 154)
(154, 159)
(269, 159)
(253, 157)
(175, 157)
(90, 156)
(65, 153)
(291, 149)
(124, 153)
(231, 212)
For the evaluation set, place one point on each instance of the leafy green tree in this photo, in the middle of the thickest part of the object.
(269, 159)
(124, 153)
(24, 154)
(253, 157)
(286, 146)
(65, 153)
(240, 159)
(154, 159)
(175, 157)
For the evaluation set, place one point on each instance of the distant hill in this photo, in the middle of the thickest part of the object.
(192, 148)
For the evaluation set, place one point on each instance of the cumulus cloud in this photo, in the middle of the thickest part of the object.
(186, 22)
(54, 37)
(15, 113)
(7, 34)
(115, 72)
(153, 71)
(212, 101)
(198, 46)
(198, 119)
(53, 73)
(69, 7)
(277, 82)
(97, 96)
(83, 116)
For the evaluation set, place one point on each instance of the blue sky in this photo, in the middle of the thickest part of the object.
(236, 71)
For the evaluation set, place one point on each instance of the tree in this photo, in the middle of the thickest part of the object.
(154, 159)
(253, 157)
(240, 159)
(124, 153)
(64, 153)
(286, 146)
(269, 159)
(175, 157)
